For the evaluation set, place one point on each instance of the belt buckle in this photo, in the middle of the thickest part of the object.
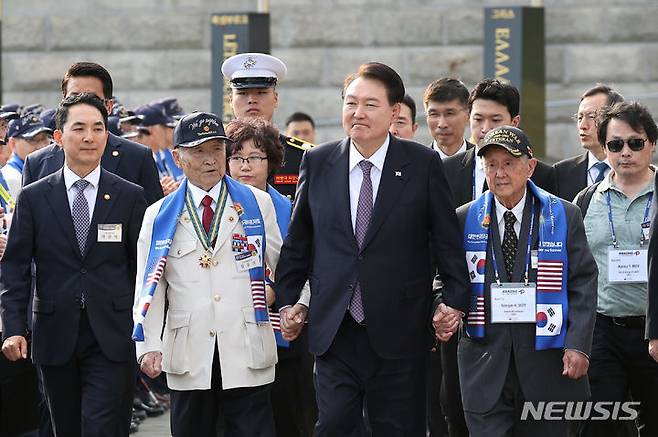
(619, 321)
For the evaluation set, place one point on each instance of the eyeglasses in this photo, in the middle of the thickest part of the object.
(249, 160)
(635, 144)
(590, 116)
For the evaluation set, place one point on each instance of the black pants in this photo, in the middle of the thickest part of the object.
(351, 373)
(293, 395)
(621, 364)
(247, 411)
(436, 422)
(451, 396)
(18, 397)
(90, 395)
(504, 418)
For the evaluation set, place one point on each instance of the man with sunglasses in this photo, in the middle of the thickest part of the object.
(617, 225)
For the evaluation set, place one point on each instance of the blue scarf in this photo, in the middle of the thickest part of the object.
(552, 267)
(175, 172)
(283, 210)
(16, 162)
(164, 228)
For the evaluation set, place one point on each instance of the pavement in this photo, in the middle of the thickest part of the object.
(154, 427)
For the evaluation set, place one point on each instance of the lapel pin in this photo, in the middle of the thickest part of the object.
(115, 153)
(106, 197)
(398, 173)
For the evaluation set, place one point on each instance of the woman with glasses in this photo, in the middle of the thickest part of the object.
(252, 157)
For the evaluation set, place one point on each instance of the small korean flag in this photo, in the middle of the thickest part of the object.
(476, 262)
(549, 319)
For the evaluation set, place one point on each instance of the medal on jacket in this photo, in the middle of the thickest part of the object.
(207, 240)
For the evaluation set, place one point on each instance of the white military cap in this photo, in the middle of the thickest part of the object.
(253, 70)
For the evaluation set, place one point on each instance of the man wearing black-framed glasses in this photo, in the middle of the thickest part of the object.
(578, 172)
(617, 223)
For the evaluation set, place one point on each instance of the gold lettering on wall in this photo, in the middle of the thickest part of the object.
(501, 55)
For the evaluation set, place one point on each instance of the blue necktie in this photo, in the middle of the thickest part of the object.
(601, 167)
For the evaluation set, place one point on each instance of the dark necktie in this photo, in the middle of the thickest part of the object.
(363, 213)
(80, 214)
(510, 241)
(206, 219)
(601, 167)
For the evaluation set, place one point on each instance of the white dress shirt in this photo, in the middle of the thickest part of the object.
(356, 175)
(518, 213)
(199, 193)
(442, 154)
(592, 172)
(90, 192)
(479, 176)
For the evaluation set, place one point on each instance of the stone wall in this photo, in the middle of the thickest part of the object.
(156, 48)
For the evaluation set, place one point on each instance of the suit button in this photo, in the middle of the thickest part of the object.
(360, 258)
(349, 287)
(83, 271)
(211, 333)
(216, 297)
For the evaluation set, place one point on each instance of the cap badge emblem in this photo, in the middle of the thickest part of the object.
(249, 63)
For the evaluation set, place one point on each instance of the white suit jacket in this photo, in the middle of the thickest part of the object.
(208, 306)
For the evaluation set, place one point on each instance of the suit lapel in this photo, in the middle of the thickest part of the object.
(59, 203)
(337, 171)
(391, 184)
(112, 154)
(54, 161)
(468, 167)
(582, 170)
(105, 199)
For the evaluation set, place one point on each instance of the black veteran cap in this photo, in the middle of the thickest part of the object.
(197, 128)
(510, 138)
(253, 70)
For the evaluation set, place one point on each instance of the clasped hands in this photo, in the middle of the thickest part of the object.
(292, 321)
(446, 322)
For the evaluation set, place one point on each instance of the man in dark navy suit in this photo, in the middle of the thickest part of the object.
(129, 160)
(80, 226)
(369, 210)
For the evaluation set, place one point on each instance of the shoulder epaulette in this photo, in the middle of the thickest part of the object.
(297, 143)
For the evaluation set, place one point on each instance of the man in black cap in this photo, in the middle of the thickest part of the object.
(217, 347)
(528, 333)
(253, 78)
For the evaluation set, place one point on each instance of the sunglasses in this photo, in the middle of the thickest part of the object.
(635, 144)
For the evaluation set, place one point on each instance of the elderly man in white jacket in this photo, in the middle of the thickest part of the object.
(204, 249)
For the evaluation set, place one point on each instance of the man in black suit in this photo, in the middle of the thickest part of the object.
(369, 210)
(80, 226)
(491, 104)
(578, 172)
(129, 160)
(525, 249)
(446, 110)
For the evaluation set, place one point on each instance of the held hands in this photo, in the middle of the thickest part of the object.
(575, 364)
(292, 321)
(152, 364)
(446, 321)
(15, 348)
(653, 349)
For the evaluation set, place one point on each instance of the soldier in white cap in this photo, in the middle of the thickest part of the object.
(253, 78)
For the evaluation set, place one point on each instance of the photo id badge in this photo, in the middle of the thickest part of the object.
(513, 303)
(627, 265)
(109, 233)
(252, 256)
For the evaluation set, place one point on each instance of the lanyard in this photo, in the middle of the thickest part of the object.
(527, 255)
(647, 209)
(474, 170)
